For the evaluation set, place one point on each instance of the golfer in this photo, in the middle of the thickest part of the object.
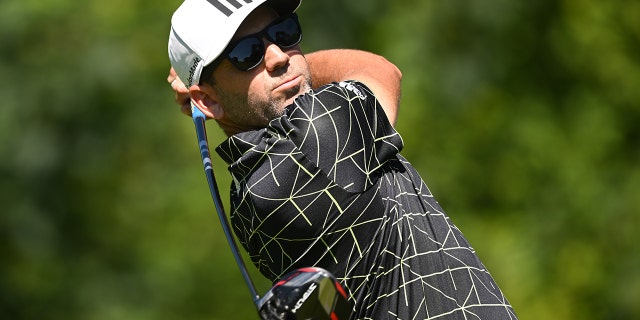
(318, 179)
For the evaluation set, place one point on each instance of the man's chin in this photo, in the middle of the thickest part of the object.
(291, 95)
(295, 92)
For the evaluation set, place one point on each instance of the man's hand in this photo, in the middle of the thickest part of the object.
(182, 93)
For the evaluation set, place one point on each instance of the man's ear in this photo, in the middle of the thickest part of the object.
(206, 99)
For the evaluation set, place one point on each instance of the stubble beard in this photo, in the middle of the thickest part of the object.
(254, 112)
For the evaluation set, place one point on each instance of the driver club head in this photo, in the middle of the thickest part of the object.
(305, 293)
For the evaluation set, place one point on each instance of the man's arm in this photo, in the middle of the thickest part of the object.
(380, 75)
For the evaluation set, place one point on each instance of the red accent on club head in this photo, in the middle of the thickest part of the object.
(334, 316)
(340, 289)
(290, 276)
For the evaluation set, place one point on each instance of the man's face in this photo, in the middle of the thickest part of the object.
(250, 99)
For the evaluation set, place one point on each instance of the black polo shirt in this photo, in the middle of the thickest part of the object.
(324, 185)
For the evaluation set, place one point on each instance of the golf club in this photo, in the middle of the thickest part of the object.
(305, 293)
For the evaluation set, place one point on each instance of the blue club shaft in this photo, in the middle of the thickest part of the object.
(201, 132)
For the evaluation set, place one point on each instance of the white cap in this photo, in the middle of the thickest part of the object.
(201, 29)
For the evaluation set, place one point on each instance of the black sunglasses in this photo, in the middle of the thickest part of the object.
(248, 52)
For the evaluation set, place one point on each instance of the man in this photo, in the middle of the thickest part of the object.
(317, 175)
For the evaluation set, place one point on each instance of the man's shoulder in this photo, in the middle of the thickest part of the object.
(357, 88)
(351, 87)
(336, 93)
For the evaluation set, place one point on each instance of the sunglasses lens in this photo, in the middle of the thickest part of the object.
(286, 34)
(247, 53)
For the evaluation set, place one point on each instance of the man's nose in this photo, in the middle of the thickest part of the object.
(274, 57)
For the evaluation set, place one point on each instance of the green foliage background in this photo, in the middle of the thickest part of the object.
(522, 117)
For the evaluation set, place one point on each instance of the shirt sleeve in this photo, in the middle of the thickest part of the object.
(343, 130)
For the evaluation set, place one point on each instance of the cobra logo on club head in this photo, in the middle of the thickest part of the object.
(304, 297)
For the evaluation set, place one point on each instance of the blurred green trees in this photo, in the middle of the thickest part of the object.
(522, 117)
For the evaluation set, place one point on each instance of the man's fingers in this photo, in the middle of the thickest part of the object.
(182, 92)
(178, 86)
(186, 109)
(172, 75)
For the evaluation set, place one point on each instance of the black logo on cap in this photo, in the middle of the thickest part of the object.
(224, 9)
(192, 70)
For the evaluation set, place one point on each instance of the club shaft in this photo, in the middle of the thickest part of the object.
(201, 132)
